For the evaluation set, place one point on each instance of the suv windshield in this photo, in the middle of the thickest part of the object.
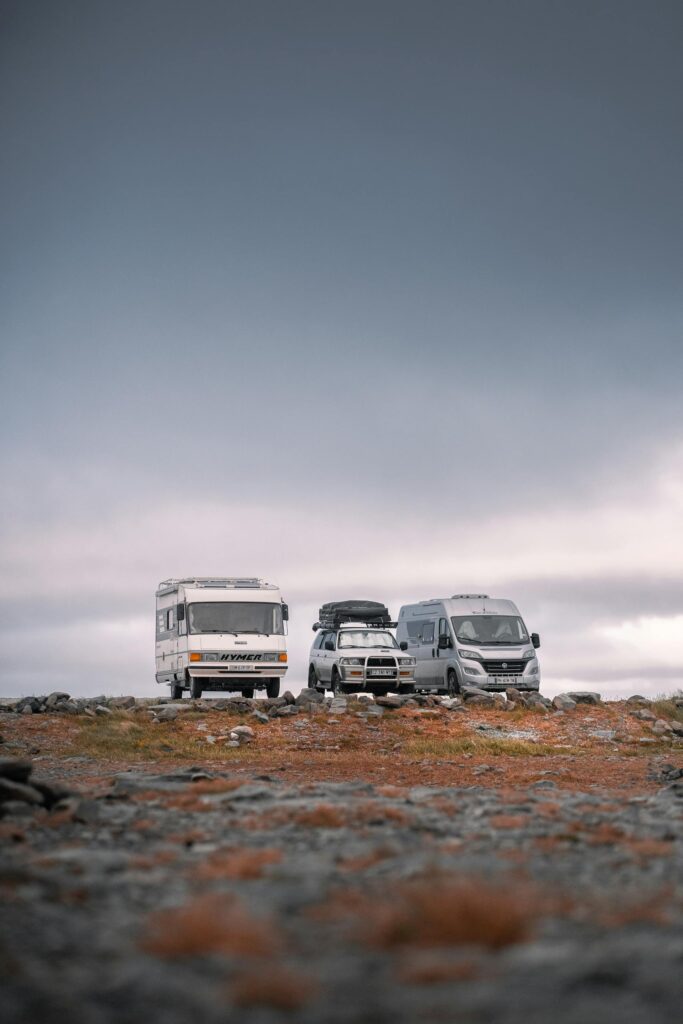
(365, 638)
(489, 629)
(235, 617)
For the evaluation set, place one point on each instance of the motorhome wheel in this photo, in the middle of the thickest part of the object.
(176, 691)
(273, 688)
(248, 692)
(195, 688)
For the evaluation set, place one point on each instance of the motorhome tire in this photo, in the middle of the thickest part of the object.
(176, 691)
(248, 692)
(273, 688)
(195, 689)
(452, 684)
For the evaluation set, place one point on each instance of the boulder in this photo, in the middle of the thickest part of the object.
(309, 695)
(585, 697)
(21, 791)
(563, 702)
(168, 714)
(103, 711)
(56, 698)
(14, 769)
(122, 702)
(390, 701)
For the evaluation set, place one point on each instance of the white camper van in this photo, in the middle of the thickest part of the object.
(469, 639)
(220, 634)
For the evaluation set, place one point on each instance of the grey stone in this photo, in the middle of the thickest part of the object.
(563, 702)
(26, 710)
(660, 727)
(390, 701)
(644, 716)
(309, 695)
(103, 711)
(10, 790)
(259, 716)
(122, 702)
(585, 697)
(168, 714)
(56, 698)
(284, 712)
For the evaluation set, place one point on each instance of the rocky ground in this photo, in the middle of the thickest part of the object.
(473, 860)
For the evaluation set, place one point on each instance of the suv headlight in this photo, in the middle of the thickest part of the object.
(407, 661)
(472, 655)
(350, 661)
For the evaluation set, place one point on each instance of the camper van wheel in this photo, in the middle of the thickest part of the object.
(248, 692)
(273, 688)
(452, 684)
(176, 691)
(195, 689)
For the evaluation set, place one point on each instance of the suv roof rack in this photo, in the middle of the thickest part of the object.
(340, 613)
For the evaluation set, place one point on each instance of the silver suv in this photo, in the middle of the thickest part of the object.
(354, 657)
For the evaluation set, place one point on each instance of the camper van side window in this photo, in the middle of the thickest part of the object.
(427, 632)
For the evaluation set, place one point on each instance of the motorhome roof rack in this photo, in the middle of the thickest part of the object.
(470, 597)
(339, 613)
(228, 582)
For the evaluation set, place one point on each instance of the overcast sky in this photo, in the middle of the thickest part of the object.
(372, 299)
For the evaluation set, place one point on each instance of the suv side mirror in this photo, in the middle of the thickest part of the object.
(444, 642)
(329, 645)
(535, 640)
(403, 645)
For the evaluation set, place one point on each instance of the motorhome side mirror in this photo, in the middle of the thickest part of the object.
(180, 614)
(535, 640)
(329, 645)
(285, 612)
(403, 645)
(444, 642)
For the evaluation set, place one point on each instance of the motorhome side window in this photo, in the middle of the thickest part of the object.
(170, 618)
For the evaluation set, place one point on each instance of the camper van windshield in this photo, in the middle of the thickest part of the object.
(235, 617)
(489, 629)
(365, 638)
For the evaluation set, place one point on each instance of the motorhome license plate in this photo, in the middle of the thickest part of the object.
(381, 672)
(241, 667)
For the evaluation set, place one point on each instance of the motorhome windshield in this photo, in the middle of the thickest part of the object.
(235, 617)
(489, 629)
(365, 638)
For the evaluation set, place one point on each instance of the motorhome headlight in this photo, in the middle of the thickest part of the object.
(472, 655)
(350, 661)
(406, 661)
(195, 656)
(211, 656)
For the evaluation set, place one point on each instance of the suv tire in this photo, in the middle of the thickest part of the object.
(336, 683)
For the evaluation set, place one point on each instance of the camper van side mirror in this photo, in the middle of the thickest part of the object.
(285, 612)
(535, 640)
(444, 642)
(403, 645)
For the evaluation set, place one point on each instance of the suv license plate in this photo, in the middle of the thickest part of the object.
(381, 672)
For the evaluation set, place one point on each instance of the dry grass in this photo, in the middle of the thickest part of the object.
(120, 737)
(278, 987)
(438, 912)
(430, 746)
(208, 924)
(664, 707)
(240, 864)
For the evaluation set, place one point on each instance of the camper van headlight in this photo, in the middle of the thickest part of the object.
(472, 655)
(350, 661)
(529, 654)
(406, 661)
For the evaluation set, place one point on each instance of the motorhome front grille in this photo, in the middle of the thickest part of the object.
(381, 663)
(504, 668)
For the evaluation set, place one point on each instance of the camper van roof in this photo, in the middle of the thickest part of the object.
(215, 583)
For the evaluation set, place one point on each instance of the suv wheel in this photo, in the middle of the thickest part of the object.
(312, 679)
(336, 683)
(452, 684)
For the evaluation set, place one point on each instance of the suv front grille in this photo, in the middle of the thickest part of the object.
(504, 668)
(381, 663)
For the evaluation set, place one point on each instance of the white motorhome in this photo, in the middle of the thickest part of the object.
(469, 640)
(220, 633)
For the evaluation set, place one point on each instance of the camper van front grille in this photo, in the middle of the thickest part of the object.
(504, 668)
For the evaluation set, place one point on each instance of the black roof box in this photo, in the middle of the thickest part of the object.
(336, 613)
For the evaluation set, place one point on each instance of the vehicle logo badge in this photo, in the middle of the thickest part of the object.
(505, 664)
